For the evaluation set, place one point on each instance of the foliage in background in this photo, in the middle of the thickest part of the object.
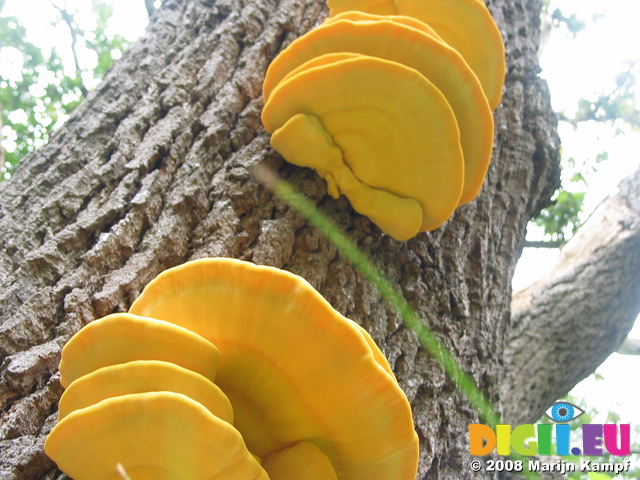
(572, 23)
(38, 93)
(33, 102)
(562, 219)
(617, 108)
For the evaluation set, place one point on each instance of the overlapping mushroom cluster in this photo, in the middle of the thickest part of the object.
(227, 370)
(390, 102)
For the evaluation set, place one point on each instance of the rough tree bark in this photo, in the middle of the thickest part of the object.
(155, 168)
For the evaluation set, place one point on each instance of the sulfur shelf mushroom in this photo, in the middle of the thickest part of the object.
(378, 132)
(440, 64)
(142, 376)
(303, 460)
(466, 25)
(378, 356)
(377, 7)
(122, 337)
(154, 436)
(294, 369)
(357, 16)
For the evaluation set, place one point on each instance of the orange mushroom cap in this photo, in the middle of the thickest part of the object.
(142, 376)
(357, 16)
(378, 132)
(122, 337)
(391, 40)
(466, 25)
(302, 460)
(154, 436)
(293, 368)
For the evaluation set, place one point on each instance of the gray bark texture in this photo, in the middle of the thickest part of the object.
(581, 312)
(155, 168)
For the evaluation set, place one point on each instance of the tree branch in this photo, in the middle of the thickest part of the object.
(541, 244)
(630, 346)
(75, 31)
(149, 4)
(565, 325)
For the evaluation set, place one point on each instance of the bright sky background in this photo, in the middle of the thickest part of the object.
(582, 67)
(129, 20)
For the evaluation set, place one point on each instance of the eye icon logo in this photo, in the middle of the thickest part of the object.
(563, 412)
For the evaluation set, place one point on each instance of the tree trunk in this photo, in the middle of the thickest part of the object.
(155, 168)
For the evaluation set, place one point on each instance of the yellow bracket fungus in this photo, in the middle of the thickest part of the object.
(366, 99)
(300, 391)
(398, 216)
(402, 19)
(302, 460)
(122, 337)
(371, 113)
(465, 25)
(293, 368)
(443, 66)
(142, 376)
(155, 436)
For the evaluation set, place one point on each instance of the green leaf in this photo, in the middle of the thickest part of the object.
(598, 476)
(43, 94)
(561, 220)
(572, 22)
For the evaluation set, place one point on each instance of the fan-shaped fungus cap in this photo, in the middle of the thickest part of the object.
(122, 337)
(377, 7)
(155, 436)
(142, 376)
(391, 40)
(303, 460)
(293, 368)
(357, 16)
(377, 131)
(466, 25)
